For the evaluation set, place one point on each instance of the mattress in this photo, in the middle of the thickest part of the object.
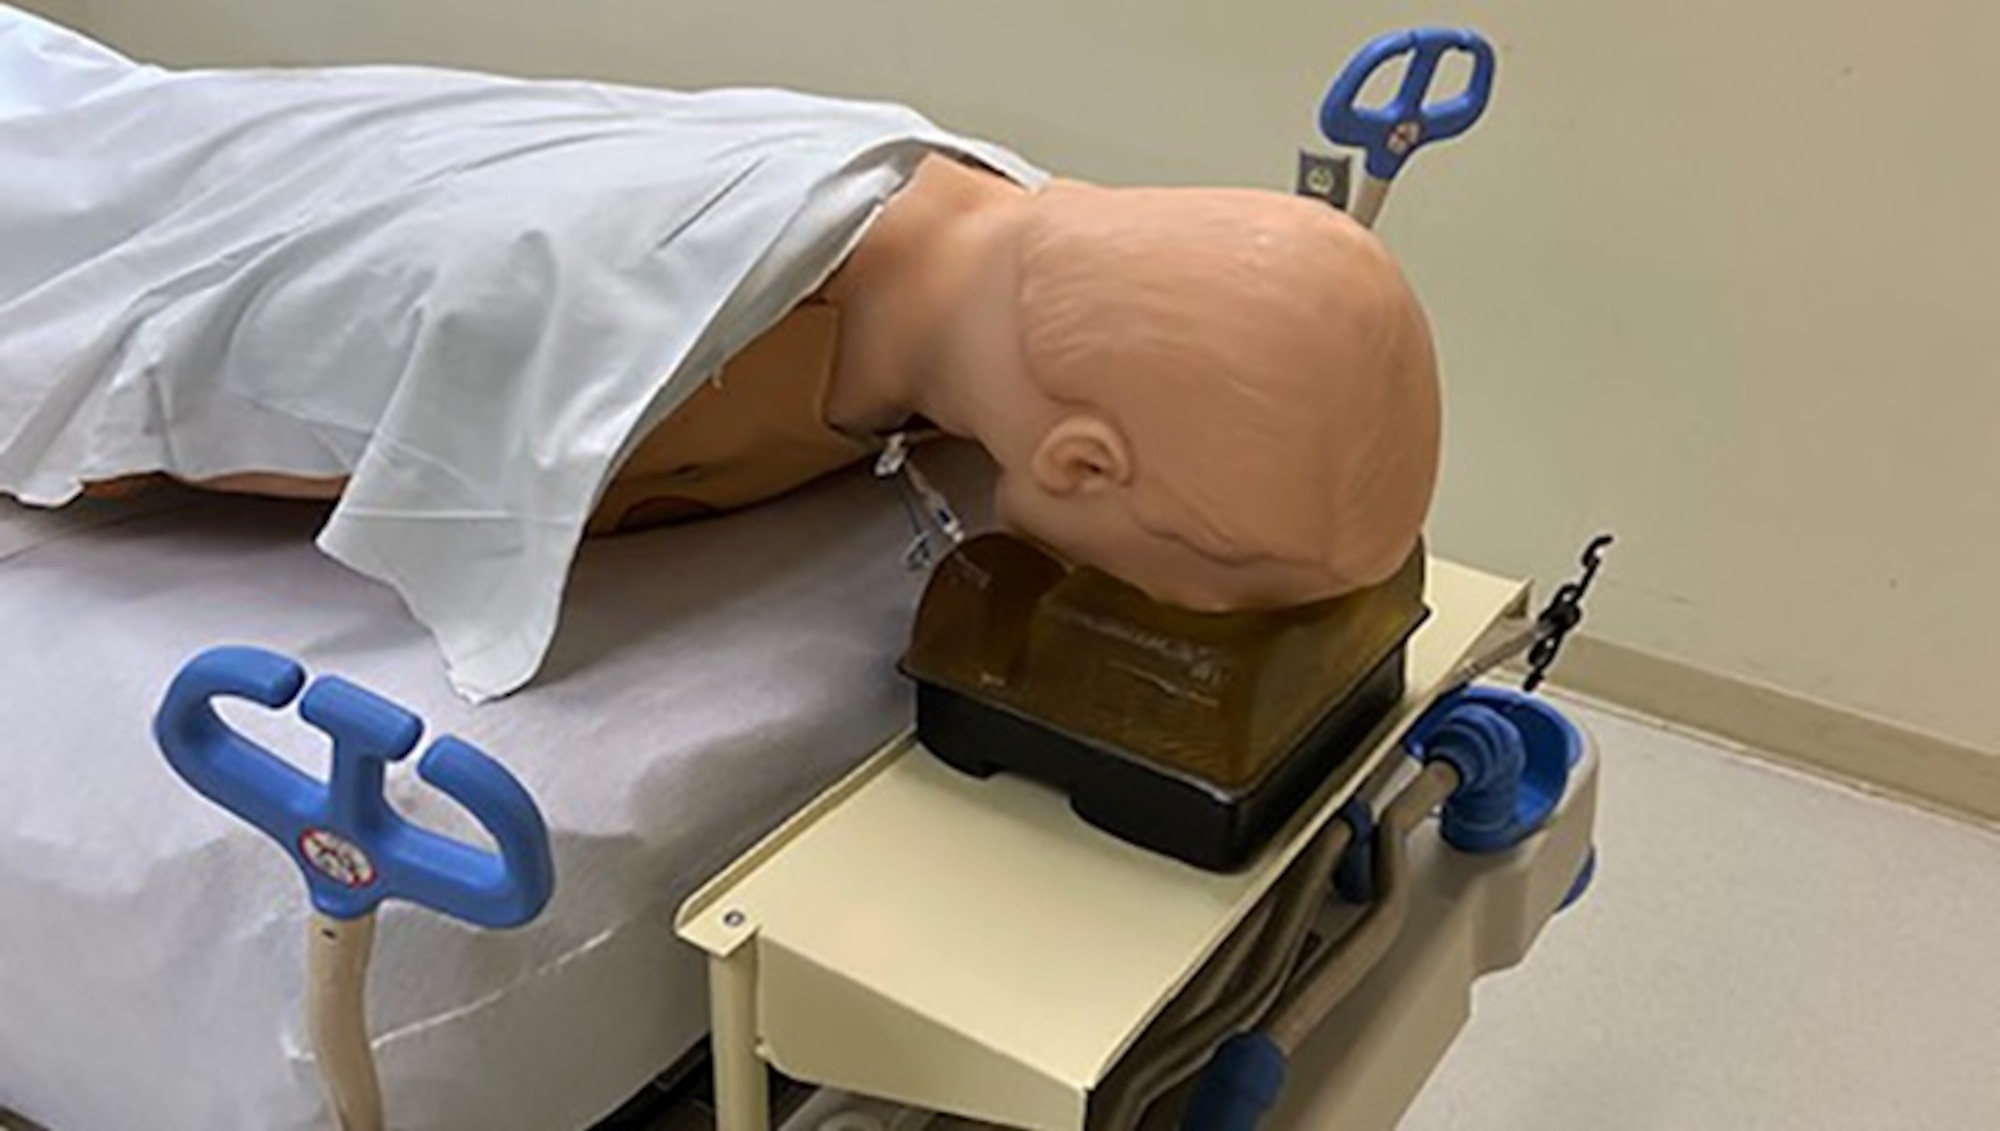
(706, 680)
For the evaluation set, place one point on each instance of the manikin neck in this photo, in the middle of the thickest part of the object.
(899, 295)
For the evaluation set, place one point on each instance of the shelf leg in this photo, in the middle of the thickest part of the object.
(742, 1085)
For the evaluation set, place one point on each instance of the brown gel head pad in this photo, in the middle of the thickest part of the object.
(1220, 696)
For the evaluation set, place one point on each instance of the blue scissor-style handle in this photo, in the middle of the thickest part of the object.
(353, 848)
(1392, 132)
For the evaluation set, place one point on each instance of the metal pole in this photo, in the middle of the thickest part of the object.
(336, 1004)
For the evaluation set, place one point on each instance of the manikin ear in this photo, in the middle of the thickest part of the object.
(1082, 454)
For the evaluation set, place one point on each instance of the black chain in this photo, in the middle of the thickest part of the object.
(1564, 613)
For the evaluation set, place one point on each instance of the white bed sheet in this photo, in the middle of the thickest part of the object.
(706, 681)
(465, 293)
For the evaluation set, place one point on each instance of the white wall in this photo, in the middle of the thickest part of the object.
(69, 13)
(1717, 275)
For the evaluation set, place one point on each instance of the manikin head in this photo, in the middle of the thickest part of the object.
(1228, 398)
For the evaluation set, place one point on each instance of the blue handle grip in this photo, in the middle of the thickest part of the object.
(1393, 132)
(353, 849)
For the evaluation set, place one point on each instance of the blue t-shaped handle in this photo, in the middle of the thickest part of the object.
(354, 850)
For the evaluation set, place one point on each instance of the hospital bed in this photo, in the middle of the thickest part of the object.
(720, 722)
(708, 681)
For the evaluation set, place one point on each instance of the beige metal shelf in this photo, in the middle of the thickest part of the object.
(972, 946)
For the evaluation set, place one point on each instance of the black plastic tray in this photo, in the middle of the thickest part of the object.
(1149, 805)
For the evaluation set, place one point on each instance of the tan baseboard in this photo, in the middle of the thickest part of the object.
(1865, 752)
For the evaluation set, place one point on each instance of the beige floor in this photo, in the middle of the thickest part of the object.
(1761, 950)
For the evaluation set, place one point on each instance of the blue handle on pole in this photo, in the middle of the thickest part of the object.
(1393, 132)
(353, 849)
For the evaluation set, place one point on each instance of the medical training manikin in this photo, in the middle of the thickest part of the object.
(488, 318)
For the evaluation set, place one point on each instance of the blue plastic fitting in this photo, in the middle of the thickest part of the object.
(1513, 753)
(1240, 1086)
(1354, 876)
(1584, 876)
